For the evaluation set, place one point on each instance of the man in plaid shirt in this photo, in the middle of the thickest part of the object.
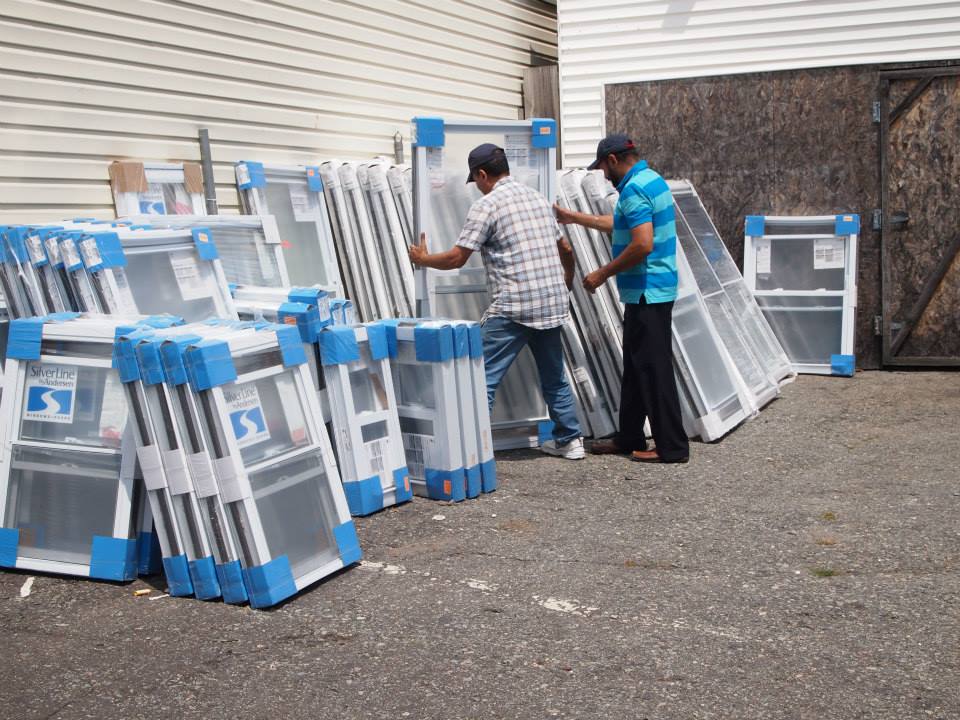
(529, 274)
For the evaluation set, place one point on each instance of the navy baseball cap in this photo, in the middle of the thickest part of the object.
(611, 145)
(481, 155)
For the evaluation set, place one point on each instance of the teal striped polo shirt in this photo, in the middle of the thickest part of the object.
(645, 198)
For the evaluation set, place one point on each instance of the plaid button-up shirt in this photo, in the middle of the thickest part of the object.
(516, 233)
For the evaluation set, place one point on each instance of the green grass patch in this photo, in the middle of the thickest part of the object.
(824, 572)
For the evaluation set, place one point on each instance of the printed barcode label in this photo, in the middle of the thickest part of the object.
(828, 254)
(187, 273)
(35, 248)
(91, 254)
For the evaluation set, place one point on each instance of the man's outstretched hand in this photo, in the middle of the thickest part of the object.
(564, 216)
(417, 253)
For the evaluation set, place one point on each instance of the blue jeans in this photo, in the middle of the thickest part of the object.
(503, 340)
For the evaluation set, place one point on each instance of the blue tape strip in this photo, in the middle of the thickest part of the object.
(177, 571)
(488, 474)
(125, 359)
(17, 242)
(230, 577)
(338, 344)
(461, 340)
(475, 338)
(206, 248)
(446, 484)
(544, 431)
(203, 575)
(9, 545)
(364, 496)
(844, 365)
(543, 133)
(25, 337)
(291, 345)
(304, 317)
(161, 322)
(401, 480)
(755, 225)
(270, 583)
(306, 295)
(150, 361)
(390, 329)
(209, 364)
(429, 131)
(847, 225)
(377, 338)
(433, 344)
(149, 561)
(257, 177)
(172, 356)
(314, 183)
(474, 479)
(111, 251)
(348, 544)
(113, 558)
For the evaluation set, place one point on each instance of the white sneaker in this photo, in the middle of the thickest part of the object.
(573, 450)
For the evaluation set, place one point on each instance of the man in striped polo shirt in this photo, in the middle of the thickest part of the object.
(644, 262)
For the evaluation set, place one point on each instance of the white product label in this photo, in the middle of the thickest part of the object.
(151, 201)
(35, 248)
(246, 414)
(90, 252)
(53, 250)
(303, 209)
(377, 179)
(123, 286)
(828, 254)
(243, 175)
(761, 247)
(202, 473)
(291, 406)
(517, 150)
(580, 375)
(51, 393)
(71, 258)
(189, 279)
(435, 167)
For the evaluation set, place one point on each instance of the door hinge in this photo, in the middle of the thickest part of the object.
(876, 111)
(878, 325)
(877, 219)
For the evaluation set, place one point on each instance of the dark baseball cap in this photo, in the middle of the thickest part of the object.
(611, 145)
(480, 156)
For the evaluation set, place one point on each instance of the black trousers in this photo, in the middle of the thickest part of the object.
(649, 388)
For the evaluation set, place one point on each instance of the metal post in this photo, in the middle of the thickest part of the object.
(206, 163)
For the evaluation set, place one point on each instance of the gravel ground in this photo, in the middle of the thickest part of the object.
(804, 567)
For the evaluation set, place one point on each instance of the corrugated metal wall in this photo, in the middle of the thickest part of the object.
(612, 41)
(85, 82)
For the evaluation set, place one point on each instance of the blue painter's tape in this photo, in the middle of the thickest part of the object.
(9, 546)
(430, 131)
(847, 225)
(206, 248)
(209, 364)
(433, 344)
(348, 544)
(306, 295)
(314, 183)
(291, 346)
(230, 577)
(475, 338)
(338, 344)
(401, 480)
(172, 356)
(446, 484)
(543, 133)
(755, 225)
(474, 478)
(148, 554)
(256, 174)
(377, 337)
(25, 337)
(304, 317)
(461, 340)
(390, 330)
(113, 558)
(488, 474)
(150, 361)
(232, 287)
(203, 575)
(163, 321)
(177, 571)
(17, 242)
(110, 249)
(270, 583)
(125, 359)
(844, 365)
(544, 431)
(364, 496)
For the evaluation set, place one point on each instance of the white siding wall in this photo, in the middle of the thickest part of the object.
(612, 41)
(274, 80)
